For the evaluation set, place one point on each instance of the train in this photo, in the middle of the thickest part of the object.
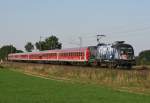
(117, 54)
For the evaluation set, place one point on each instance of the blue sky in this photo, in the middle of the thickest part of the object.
(27, 20)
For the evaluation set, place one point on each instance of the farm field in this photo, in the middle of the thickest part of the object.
(16, 87)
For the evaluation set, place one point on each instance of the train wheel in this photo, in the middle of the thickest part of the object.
(94, 63)
(129, 66)
(112, 65)
(115, 66)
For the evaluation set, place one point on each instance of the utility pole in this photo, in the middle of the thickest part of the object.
(80, 38)
(99, 37)
(40, 43)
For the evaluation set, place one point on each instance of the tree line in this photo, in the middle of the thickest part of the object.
(143, 58)
(7, 49)
(49, 43)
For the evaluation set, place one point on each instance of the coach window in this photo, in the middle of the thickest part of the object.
(78, 54)
(81, 54)
(71, 54)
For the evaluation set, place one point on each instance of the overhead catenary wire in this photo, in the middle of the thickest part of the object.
(92, 36)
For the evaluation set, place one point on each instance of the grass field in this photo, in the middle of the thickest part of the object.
(136, 80)
(16, 87)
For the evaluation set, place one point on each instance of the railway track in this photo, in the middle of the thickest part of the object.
(68, 66)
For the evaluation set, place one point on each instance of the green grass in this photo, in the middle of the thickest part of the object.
(16, 87)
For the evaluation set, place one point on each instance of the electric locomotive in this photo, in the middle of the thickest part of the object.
(112, 55)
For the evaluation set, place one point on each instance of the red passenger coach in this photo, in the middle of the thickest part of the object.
(64, 55)
(75, 55)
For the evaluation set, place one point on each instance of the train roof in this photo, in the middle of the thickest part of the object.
(53, 51)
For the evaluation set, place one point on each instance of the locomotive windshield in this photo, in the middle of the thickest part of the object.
(126, 52)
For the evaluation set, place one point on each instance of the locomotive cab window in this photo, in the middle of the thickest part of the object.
(126, 50)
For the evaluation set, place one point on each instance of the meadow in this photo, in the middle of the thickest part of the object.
(16, 87)
(136, 80)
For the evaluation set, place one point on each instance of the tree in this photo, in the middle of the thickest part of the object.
(29, 47)
(19, 51)
(41, 45)
(52, 43)
(144, 57)
(5, 50)
(49, 43)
